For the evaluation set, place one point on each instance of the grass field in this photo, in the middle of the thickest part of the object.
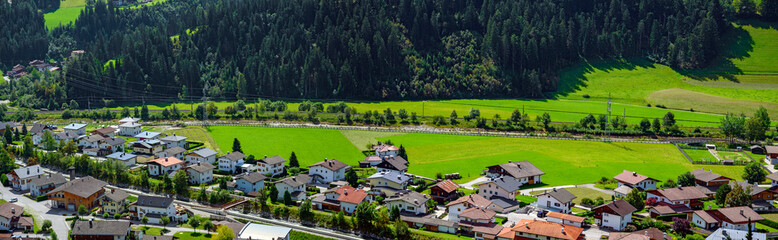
(192, 235)
(743, 79)
(198, 134)
(700, 155)
(69, 10)
(770, 216)
(564, 161)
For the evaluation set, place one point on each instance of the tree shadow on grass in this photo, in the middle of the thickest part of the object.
(737, 45)
(574, 79)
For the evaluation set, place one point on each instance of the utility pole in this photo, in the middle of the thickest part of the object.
(608, 119)
(205, 104)
(89, 102)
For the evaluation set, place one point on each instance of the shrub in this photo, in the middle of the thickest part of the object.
(41, 198)
(586, 96)
(587, 201)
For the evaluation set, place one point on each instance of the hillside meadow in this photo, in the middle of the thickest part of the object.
(741, 80)
(564, 161)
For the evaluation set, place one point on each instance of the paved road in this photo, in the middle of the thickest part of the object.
(41, 208)
(469, 185)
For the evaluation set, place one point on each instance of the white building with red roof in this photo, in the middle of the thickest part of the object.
(166, 165)
(528, 229)
(385, 150)
(635, 180)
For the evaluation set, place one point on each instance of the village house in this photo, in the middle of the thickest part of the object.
(565, 219)
(736, 218)
(556, 200)
(91, 141)
(461, 204)
(250, 182)
(370, 161)
(154, 208)
(100, 230)
(385, 150)
(11, 218)
(21, 177)
(147, 147)
(115, 201)
(78, 128)
(431, 224)
(344, 198)
(621, 191)
(176, 152)
(84, 191)
(408, 201)
(388, 182)
(42, 184)
(614, 215)
(771, 154)
(393, 163)
(200, 173)
(444, 191)
(105, 132)
(479, 223)
(688, 196)
(112, 145)
(328, 171)
(7, 125)
(174, 141)
(160, 166)
(773, 177)
(645, 234)
(731, 234)
(129, 129)
(146, 135)
(709, 182)
(541, 230)
(635, 180)
(273, 165)
(17, 71)
(231, 162)
(261, 231)
(127, 158)
(67, 136)
(295, 185)
(762, 199)
(504, 187)
(523, 172)
(128, 120)
(37, 131)
(201, 155)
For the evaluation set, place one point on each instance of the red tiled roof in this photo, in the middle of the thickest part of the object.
(447, 186)
(549, 229)
(477, 214)
(567, 217)
(631, 177)
(472, 199)
(350, 194)
(166, 162)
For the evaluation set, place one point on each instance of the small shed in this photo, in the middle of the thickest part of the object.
(710, 146)
(756, 149)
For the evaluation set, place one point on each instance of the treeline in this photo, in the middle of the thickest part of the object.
(373, 49)
(22, 33)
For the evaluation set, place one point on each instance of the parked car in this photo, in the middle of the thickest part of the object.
(542, 214)
(13, 200)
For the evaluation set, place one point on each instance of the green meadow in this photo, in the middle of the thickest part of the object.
(564, 161)
(69, 10)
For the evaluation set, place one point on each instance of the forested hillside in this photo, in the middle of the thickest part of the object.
(22, 34)
(399, 49)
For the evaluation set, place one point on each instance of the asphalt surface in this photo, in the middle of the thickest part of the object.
(42, 209)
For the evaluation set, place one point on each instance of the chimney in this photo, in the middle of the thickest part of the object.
(645, 233)
(526, 225)
(563, 229)
(13, 210)
(741, 212)
(90, 222)
(634, 173)
(509, 161)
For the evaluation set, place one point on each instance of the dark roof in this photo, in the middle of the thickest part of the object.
(252, 177)
(82, 187)
(411, 197)
(94, 138)
(234, 156)
(153, 201)
(105, 130)
(508, 183)
(705, 176)
(272, 160)
(619, 207)
(117, 195)
(38, 128)
(113, 141)
(680, 193)
(295, 181)
(773, 176)
(521, 169)
(10, 210)
(754, 188)
(201, 166)
(429, 221)
(395, 163)
(105, 228)
(67, 135)
(332, 165)
(56, 179)
(174, 151)
(560, 194)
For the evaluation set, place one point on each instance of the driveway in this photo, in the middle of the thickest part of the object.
(41, 208)
(469, 185)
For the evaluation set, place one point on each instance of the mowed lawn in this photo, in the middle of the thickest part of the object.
(310, 145)
(564, 161)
